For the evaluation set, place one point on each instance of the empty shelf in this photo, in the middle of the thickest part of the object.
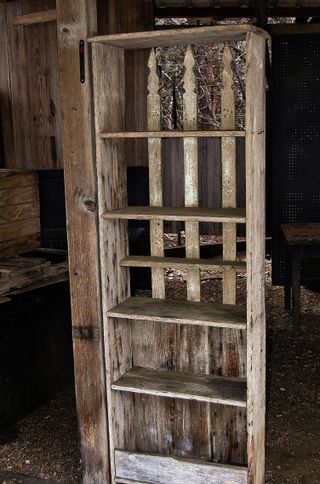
(181, 312)
(187, 386)
(189, 214)
(181, 263)
(174, 134)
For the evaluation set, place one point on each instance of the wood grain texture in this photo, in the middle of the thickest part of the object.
(191, 173)
(180, 312)
(32, 92)
(155, 173)
(190, 214)
(160, 469)
(256, 324)
(35, 18)
(180, 263)
(174, 134)
(77, 20)
(182, 385)
(109, 113)
(166, 38)
(229, 175)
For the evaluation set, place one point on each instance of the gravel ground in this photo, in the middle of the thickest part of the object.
(45, 443)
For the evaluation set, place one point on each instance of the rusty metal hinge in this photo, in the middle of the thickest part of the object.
(86, 332)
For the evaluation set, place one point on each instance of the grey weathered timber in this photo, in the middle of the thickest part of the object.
(180, 312)
(35, 18)
(187, 386)
(255, 193)
(174, 134)
(145, 40)
(180, 263)
(190, 214)
(161, 469)
(75, 21)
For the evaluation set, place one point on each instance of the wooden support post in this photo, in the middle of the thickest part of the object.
(229, 183)
(155, 173)
(255, 206)
(76, 21)
(191, 173)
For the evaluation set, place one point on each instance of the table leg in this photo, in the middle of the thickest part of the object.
(296, 279)
(287, 295)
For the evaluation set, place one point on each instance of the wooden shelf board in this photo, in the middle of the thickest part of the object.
(186, 386)
(138, 467)
(174, 134)
(190, 214)
(166, 38)
(181, 263)
(35, 18)
(180, 312)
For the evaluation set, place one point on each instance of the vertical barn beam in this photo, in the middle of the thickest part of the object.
(191, 172)
(76, 21)
(155, 173)
(255, 206)
(228, 157)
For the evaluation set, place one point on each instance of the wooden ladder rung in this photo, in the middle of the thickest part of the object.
(186, 386)
(180, 312)
(181, 263)
(174, 134)
(190, 214)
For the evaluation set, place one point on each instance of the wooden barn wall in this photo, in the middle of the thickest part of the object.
(29, 89)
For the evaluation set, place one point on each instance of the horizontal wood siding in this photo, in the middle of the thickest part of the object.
(19, 212)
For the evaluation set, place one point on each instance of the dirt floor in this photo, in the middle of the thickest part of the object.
(45, 443)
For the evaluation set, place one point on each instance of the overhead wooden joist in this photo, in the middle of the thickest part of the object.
(35, 18)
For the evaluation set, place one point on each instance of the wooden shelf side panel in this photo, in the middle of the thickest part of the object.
(109, 103)
(255, 193)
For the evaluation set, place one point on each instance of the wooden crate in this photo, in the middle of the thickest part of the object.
(19, 212)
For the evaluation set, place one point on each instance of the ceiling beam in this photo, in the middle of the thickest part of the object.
(235, 12)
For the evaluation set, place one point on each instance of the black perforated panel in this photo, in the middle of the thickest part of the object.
(294, 137)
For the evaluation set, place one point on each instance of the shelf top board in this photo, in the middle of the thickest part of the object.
(181, 312)
(174, 384)
(166, 38)
(189, 214)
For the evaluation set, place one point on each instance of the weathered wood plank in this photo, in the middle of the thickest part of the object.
(16, 213)
(112, 193)
(181, 263)
(20, 244)
(256, 324)
(12, 231)
(160, 469)
(182, 385)
(35, 18)
(76, 21)
(174, 134)
(15, 196)
(17, 178)
(180, 312)
(190, 214)
(145, 40)
(155, 173)
(191, 174)
(229, 176)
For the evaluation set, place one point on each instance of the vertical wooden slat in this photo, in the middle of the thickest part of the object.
(76, 21)
(155, 173)
(109, 102)
(255, 206)
(191, 172)
(228, 156)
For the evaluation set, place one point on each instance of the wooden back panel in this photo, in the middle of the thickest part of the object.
(19, 212)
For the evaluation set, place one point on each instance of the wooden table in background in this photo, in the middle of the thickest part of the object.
(303, 243)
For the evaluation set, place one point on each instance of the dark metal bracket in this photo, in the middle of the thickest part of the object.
(82, 62)
(86, 333)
